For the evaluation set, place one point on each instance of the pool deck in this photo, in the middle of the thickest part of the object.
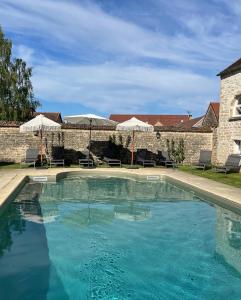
(11, 179)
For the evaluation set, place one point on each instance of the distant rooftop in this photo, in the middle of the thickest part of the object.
(215, 106)
(54, 116)
(155, 120)
(232, 68)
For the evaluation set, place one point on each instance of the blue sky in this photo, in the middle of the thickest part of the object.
(124, 56)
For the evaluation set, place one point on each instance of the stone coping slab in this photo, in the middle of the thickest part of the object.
(11, 180)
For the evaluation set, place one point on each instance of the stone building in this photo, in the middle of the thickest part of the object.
(229, 128)
(218, 130)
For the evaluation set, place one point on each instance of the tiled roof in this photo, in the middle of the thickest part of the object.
(10, 123)
(54, 116)
(189, 124)
(155, 120)
(215, 106)
(232, 68)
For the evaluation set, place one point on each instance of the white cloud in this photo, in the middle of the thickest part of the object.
(70, 25)
(120, 88)
(24, 52)
(129, 82)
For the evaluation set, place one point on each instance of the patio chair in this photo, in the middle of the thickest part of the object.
(143, 159)
(112, 161)
(204, 160)
(86, 160)
(55, 161)
(164, 159)
(31, 157)
(232, 164)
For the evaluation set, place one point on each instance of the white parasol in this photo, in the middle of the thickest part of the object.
(134, 125)
(91, 120)
(41, 124)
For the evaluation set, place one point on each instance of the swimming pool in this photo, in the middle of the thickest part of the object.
(118, 238)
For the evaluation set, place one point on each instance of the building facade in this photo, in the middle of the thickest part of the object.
(229, 128)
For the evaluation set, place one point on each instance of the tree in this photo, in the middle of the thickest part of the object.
(16, 92)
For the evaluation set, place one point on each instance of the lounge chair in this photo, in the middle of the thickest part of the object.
(163, 158)
(232, 164)
(112, 161)
(87, 160)
(143, 159)
(55, 161)
(204, 160)
(31, 157)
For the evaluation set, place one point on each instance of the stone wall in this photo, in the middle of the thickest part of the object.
(13, 144)
(229, 128)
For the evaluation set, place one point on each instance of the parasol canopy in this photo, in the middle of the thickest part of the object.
(134, 125)
(89, 118)
(40, 123)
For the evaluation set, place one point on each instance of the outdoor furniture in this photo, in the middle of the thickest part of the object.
(204, 160)
(31, 157)
(134, 125)
(86, 161)
(232, 164)
(143, 159)
(40, 124)
(164, 159)
(89, 120)
(112, 161)
(55, 162)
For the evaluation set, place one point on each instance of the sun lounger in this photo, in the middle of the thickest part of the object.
(232, 164)
(31, 157)
(56, 162)
(112, 161)
(204, 160)
(86, 161)
(164, 159)
(143, 159)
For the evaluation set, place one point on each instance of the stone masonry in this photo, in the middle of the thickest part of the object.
(13, 144)
(229, 128)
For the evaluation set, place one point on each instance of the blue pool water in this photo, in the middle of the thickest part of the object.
(116, 238)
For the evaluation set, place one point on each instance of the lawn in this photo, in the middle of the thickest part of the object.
(233, 179)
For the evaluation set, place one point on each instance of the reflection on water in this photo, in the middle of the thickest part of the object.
(112, 189)
(116, 238)
(88, 216)
(25, 264)
(132, 212)
(228, 237)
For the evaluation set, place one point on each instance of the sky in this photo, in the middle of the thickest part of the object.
(124, 56)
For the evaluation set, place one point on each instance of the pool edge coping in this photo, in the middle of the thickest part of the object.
(212, 189)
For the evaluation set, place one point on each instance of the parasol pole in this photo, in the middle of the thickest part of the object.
(132, 147)
(89, 142)
(41, 146)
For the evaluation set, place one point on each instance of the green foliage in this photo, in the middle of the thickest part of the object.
(233, 179)
(16, 92)
(119, 148)
(176, 151)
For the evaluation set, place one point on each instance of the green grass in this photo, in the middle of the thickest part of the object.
(4, 165)
(233, 179)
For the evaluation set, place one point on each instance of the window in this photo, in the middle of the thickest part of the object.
(237, 107)
(237, 146)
